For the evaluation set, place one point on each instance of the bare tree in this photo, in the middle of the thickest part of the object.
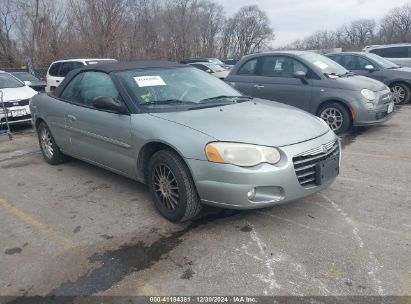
(8, 16)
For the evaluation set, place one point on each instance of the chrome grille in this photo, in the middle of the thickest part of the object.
(305, 163)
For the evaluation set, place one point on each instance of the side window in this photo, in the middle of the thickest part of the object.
(65, 69)
(54, 69)
(395, 52)
(339, 59)
(72, 90)
(249, 67)
(362, 62)
(86, 86)
(76, 65)
(409, 52)
(350, 62)
(281, 66)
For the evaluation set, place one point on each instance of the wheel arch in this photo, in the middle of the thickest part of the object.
(147, 151)
(399, 81)
(339, 101)
(39, 120)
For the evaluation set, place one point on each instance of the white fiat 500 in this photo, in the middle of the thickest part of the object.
(16, 96)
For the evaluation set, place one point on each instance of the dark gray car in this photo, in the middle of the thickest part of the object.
(371, 65)
(316, 84)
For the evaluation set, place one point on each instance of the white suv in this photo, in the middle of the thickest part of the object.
(59, 69)
(399, 53)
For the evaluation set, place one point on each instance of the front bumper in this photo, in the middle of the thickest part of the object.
(378, 115)
(16, 120)
(227, 186)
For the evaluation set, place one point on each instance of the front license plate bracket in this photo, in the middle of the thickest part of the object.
(327, 169)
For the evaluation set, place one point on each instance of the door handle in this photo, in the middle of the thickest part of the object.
(71, 118)
(258, 86)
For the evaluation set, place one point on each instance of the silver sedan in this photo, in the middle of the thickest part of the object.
(190, 137)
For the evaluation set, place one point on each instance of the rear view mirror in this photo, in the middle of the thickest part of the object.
(369, 68)
(110, 104)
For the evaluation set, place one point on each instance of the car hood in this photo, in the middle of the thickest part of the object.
(262, 123)
(24, 92)
(357, 83)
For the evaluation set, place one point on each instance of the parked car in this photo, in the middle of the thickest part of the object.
(397, 78)
(190, 137)
(31, 80)
(399, 53)
(206, 59)
(230, 62)
(316, 84)
(211, 68)
(16, 97)
(59, 69)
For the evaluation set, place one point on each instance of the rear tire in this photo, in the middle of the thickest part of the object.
(51, 152)
(172, 187)
(401, 92)
(336, 116)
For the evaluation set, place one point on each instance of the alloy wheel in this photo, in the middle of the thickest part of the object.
(398, 94)
(333, 117)
(47, 143)
(166, 187)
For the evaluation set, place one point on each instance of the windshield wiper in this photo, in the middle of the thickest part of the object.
(237, 98)
(166, 102)
(346, 74)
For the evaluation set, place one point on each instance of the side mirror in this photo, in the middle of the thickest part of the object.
(110, 104)
(27, 83)
(369, 68)
(209, 71)
(299, 74)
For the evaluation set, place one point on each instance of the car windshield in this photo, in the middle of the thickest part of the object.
(382, 61)
(178, 87)
(7, 81)
(25, 77)
(325, 64)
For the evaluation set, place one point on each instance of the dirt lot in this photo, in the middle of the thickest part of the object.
(75, 229)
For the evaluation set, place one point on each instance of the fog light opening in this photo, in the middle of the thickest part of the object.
(251, 194)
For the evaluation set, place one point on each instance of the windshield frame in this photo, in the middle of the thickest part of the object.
(172, 107)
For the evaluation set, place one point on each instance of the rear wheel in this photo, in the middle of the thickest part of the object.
(401, 93)
(172, 187)
(48, 146)
(336, 116)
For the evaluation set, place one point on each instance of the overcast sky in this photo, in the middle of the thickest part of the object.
(295, 19)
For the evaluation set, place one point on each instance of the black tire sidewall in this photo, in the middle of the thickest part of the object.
(346, 124)
(182, 176)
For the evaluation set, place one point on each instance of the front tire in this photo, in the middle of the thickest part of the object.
(401, 93)
(336, 116)
(172, 187)
(51, 152)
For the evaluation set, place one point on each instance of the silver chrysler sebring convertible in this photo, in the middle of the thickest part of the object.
(192, 138)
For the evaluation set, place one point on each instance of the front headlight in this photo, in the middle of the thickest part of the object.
(243, 155)
(368, 94)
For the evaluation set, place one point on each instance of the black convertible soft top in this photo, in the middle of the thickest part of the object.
(116, 67)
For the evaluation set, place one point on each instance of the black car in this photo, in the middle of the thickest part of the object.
(398, 78)
(32, 81)
(206, 59)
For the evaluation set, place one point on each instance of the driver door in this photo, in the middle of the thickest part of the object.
(98, 136)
